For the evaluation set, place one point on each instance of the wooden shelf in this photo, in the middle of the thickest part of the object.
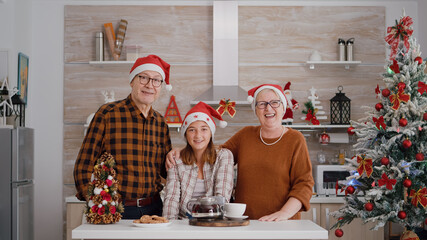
(346, 64)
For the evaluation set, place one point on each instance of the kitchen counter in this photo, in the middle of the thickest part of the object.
(180, 229)
(314, 199)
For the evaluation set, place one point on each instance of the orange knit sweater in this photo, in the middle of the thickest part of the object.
(269, 175)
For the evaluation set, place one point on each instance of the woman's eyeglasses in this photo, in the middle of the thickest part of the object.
(272, 103)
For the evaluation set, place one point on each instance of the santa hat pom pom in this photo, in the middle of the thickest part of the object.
(168, 87)
(222, 124)
(250, 99)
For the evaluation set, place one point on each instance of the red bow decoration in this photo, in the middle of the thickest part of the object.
(395, 66)
(379, 122)
(386, 181)
(377, 90)
(364, 166)
(401, 31)
(422, 87)
(400, 96)
(419, 197)
(226, 106)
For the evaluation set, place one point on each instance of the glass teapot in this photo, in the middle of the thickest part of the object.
(205, 208)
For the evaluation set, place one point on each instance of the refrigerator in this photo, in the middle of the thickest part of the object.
(16, 183)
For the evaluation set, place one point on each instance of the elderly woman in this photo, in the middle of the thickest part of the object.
(274, 169)
(202, 170)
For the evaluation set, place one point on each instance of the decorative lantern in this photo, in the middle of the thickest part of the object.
(324, 138)
(340, 108)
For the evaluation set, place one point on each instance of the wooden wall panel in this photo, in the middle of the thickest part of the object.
(290, 33)
(178, 33)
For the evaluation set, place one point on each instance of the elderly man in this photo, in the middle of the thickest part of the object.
(138, 138)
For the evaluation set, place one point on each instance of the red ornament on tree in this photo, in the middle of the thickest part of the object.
(425, 116)
(401, 214)
(419, 156)
(419, 60)
(339, 232)
(425, 221)
(350, 189)
(379, 106)
(407, 183)
(386, 92)
(406, 144)
(385, 161)
(403, 122)
(350, 130)
(401, 85)
(369, 206)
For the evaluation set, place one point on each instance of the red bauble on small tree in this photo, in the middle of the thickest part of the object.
(419, 60)
(401, 214)
(350, 130)
(339, 232)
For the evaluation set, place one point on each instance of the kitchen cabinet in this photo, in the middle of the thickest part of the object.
(356, 230)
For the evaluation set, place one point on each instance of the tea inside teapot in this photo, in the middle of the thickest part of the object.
(205, 208)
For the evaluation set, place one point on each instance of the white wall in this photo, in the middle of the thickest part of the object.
(36, 28)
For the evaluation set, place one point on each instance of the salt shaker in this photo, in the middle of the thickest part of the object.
(99, 46)
(341, 49)
(350, 43)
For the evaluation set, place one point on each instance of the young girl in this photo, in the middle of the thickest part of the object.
(202, 170)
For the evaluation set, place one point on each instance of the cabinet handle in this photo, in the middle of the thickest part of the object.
(314, 215)
(327, 218)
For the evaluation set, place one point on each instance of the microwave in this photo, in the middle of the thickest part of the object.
(326, 177)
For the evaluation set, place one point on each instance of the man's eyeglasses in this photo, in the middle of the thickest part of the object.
(272, 103)
(143, 79)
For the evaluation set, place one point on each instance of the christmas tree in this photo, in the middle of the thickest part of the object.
(104, 204)
(389, 181)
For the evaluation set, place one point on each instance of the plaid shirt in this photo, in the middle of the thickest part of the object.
(138, 144)
(182, 179)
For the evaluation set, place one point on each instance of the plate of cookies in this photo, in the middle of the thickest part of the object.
(151, 221)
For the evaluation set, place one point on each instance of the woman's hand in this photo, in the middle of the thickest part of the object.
(275, 217)
(171, 156)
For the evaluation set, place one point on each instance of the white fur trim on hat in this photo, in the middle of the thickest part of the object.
(145, 67)
(200, 117)
(279, 93)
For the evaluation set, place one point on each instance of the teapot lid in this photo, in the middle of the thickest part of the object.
(207, 200)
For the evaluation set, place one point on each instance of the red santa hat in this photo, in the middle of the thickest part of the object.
(252, 94)
(153, 63)
(202, 112)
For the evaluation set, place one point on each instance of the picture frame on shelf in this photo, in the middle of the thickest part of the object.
(23, 66)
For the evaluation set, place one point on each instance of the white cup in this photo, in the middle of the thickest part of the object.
(234, 209)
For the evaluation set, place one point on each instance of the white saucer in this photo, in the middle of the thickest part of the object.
(236, 217)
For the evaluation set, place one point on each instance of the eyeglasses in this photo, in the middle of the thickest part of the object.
(143, 79)
(272, 103)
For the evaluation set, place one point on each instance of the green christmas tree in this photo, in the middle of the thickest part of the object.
(390, 166)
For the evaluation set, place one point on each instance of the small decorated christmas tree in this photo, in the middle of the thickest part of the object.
(312, 113)
(104, 205)
(390, 164)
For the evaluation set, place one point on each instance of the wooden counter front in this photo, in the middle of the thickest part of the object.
(180, 229)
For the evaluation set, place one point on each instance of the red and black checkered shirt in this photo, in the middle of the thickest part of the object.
(138, 144)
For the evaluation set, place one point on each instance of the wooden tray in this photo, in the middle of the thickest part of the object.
(219, 222)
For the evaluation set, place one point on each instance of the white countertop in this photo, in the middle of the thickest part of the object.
(314, 199)
(180, 229)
